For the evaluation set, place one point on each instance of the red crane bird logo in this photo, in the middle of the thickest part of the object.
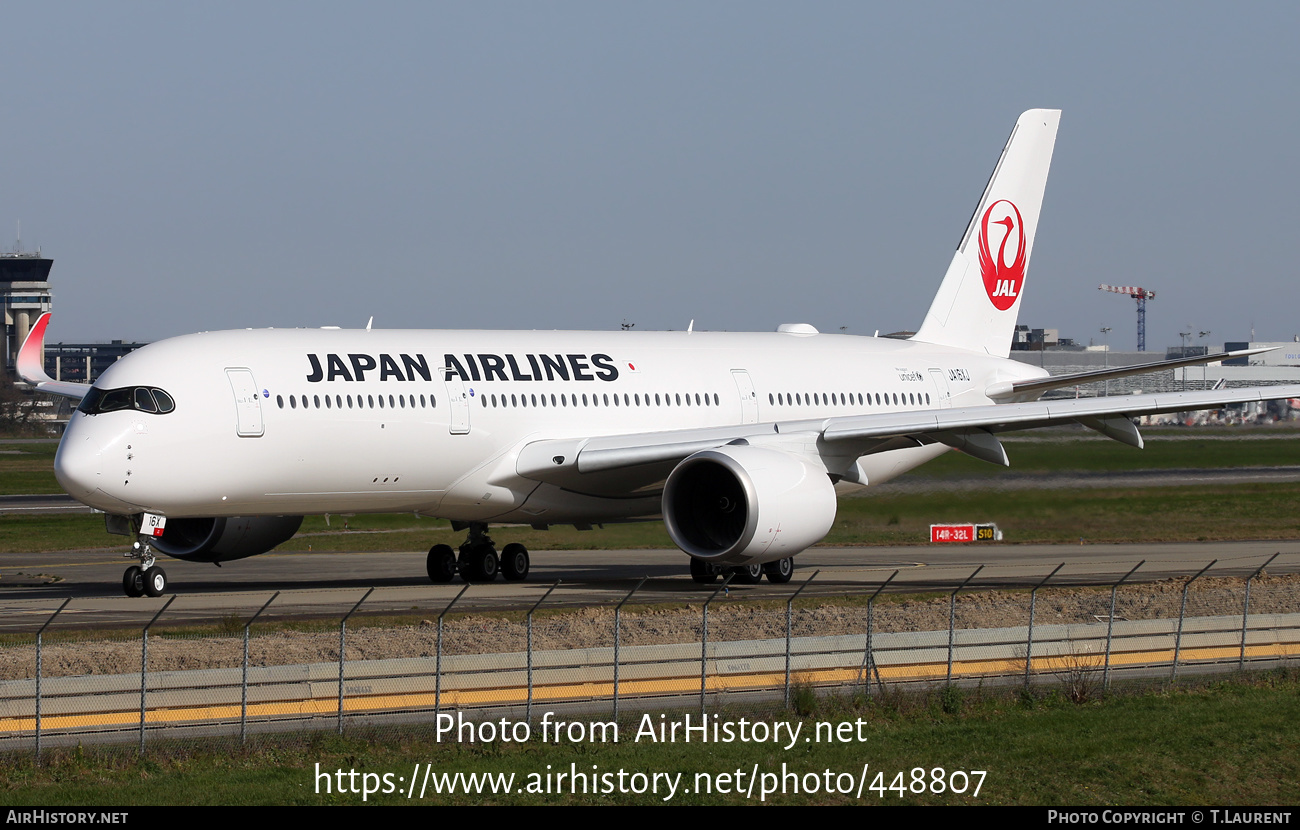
(1002, 282)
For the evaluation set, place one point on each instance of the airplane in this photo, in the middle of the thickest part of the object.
(212, 447)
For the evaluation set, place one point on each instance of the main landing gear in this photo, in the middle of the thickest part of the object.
(778, 572)
(145, 579)
(478, 560)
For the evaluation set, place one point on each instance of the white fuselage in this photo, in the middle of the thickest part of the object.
(310, 421)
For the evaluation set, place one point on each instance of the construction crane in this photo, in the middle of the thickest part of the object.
(1141, 295)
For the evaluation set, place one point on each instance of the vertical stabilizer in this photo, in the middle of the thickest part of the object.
(979, 298)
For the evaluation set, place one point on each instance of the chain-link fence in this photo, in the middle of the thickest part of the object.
(254, 672)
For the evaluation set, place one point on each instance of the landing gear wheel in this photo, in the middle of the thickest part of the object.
(479, 563)
(780, 571)
(155, 581)
(702, 572)
(748, 574)
(478, 556)
(441, 563)
(137, 579)
(514, 562)
(133, 581)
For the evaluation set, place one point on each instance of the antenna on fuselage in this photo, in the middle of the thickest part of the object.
(370, 322)
(691, 327)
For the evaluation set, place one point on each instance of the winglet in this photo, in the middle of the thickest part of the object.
(31, 364)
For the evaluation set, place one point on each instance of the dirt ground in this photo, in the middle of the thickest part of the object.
(593, 627)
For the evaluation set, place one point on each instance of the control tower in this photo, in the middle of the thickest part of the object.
(25, 290)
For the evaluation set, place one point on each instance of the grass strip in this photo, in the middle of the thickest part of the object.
(1095, 516)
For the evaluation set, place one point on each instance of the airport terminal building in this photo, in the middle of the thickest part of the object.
(25, 286)
(25, 289)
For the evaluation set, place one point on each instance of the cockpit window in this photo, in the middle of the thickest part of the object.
(114, 399)
(139, 398)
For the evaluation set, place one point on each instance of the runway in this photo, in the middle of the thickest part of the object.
(329, 584)
(41, 504)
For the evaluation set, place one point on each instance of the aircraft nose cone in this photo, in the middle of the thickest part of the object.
(78, 464)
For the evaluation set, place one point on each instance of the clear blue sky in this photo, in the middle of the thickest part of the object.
(572, 165)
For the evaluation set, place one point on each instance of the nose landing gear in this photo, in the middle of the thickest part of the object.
(145, 579)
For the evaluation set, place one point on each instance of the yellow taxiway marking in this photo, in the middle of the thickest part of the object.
(631, 688)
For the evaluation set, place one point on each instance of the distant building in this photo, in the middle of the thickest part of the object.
(1037, 340)
(25, 288)
(84, 362)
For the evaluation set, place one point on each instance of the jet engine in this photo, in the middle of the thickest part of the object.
(745, 505)
(224, 539)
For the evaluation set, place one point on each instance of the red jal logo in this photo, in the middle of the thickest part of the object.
(1002, 281)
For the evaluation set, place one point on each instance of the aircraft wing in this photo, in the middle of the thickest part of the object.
(969, 429)
(1022, 390)
(1034, 414)
(31, 367)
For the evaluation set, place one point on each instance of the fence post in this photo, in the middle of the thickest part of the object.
(1110, 625)
(528, 709)
(1245, 610)
(952, 619)
(869, 654)
(144, 663)
(243, 693)
(38, 674)
(437, 666)
(343, 627)
(617, 611)
(704, 636)
(1182, 611)
(789, 627)
(1029, 640)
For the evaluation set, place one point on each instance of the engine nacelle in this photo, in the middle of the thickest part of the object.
(743, 505)
(224, 539)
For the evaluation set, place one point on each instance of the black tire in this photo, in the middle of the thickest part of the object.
(514, 562)
(479, 564)
(441, 563)
(702, 572)
(781, 571)
(155, 581)
(133, 581)
(488, 564)
(747, 575)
